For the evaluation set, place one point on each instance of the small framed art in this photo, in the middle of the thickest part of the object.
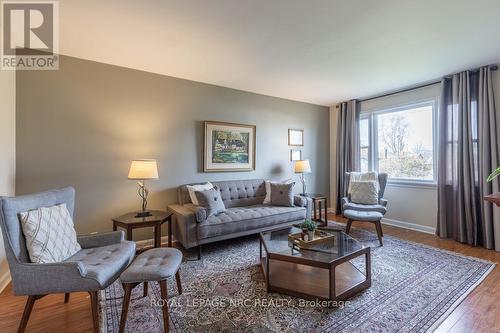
(295, 154)
(295, 137)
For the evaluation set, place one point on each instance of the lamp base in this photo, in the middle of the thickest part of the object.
(143, 214)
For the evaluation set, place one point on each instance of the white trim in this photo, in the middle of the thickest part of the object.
(407, 184)
(150, 241)
(410, 226)
(372, 116)
(452, 308)
(4, 281)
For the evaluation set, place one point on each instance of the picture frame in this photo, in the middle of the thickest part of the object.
(296, 137)
(228, 147)
(295, 155)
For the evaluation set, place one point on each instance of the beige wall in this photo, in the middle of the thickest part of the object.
(8, 150)
(81, 126)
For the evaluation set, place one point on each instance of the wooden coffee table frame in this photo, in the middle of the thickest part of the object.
(331, 267)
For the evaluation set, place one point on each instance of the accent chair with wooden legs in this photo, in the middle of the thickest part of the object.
(99, 263)
(363, 212)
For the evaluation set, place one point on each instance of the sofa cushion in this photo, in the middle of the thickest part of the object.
(211, 201)
(197, 187)
(282, 194)
(239, 219)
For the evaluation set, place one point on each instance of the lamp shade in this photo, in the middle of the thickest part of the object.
(143, 169)
(302, 166)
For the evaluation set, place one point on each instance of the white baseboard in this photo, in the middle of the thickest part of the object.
(410, 226)
(150, 242)
(4, 280)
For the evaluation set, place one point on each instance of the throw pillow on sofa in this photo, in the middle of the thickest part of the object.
(50, 234)
(200, 187)
(282, 194)
(211, 200)
(267, 199)
(364, 192)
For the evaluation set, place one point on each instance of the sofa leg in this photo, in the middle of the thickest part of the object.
(66, 297)
(199, 252)
(348, 227)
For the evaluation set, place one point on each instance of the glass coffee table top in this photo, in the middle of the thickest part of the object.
(340, 246)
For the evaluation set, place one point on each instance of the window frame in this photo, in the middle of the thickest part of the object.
(372, 116)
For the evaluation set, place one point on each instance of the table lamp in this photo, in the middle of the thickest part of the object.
(142, 170)
(302, 167)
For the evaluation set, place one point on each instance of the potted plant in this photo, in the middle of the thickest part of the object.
(308, 227)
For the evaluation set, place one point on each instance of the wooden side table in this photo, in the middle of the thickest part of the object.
(157, 218)
(319, 204)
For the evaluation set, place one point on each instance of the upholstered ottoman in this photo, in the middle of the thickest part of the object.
(152, 265)
(368, 216)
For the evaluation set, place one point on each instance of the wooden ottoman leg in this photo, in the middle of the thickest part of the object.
(95, 309)
(348, 227)
(126, 301)
(164, 296)
(378, 226)
(178, 280)
(145, 290)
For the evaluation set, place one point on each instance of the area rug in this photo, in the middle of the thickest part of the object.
(414, 288)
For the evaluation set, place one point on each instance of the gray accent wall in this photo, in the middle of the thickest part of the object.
(82, 124)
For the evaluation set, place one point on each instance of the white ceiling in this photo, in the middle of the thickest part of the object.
(317, 51)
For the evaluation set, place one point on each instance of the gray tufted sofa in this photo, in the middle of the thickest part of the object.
(245, 214)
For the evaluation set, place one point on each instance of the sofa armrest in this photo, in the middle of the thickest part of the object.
(302, 201)
(199, 212)
(185, 226)
(383, 202)
(100, 239)
(40, 279)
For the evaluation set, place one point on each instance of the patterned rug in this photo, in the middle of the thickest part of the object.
(414, 288)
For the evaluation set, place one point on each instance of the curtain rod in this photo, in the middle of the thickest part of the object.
(423, 85)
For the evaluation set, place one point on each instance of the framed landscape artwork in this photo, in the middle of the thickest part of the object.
(229, 147)
(295, 137)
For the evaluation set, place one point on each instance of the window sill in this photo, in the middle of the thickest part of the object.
(411, 184)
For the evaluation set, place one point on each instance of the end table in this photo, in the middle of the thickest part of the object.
(319, 205)
(157, 218)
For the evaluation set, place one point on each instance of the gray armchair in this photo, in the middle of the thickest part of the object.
(98, 264)
(369, 213)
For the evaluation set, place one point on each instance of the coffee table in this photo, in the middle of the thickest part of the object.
(324, 272)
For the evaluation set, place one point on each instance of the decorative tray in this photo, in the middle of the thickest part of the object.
(320, 237)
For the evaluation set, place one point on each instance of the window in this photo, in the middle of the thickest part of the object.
(400, 142)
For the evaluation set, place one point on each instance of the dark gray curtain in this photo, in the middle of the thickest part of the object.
(347, 145)
(468, 152)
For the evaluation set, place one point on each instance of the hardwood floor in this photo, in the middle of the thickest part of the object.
(479, 312)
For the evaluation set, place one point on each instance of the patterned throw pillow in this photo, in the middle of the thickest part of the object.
(200, 187)
(282, 194)
(50, 234)
(364, 192)
(211, 200)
